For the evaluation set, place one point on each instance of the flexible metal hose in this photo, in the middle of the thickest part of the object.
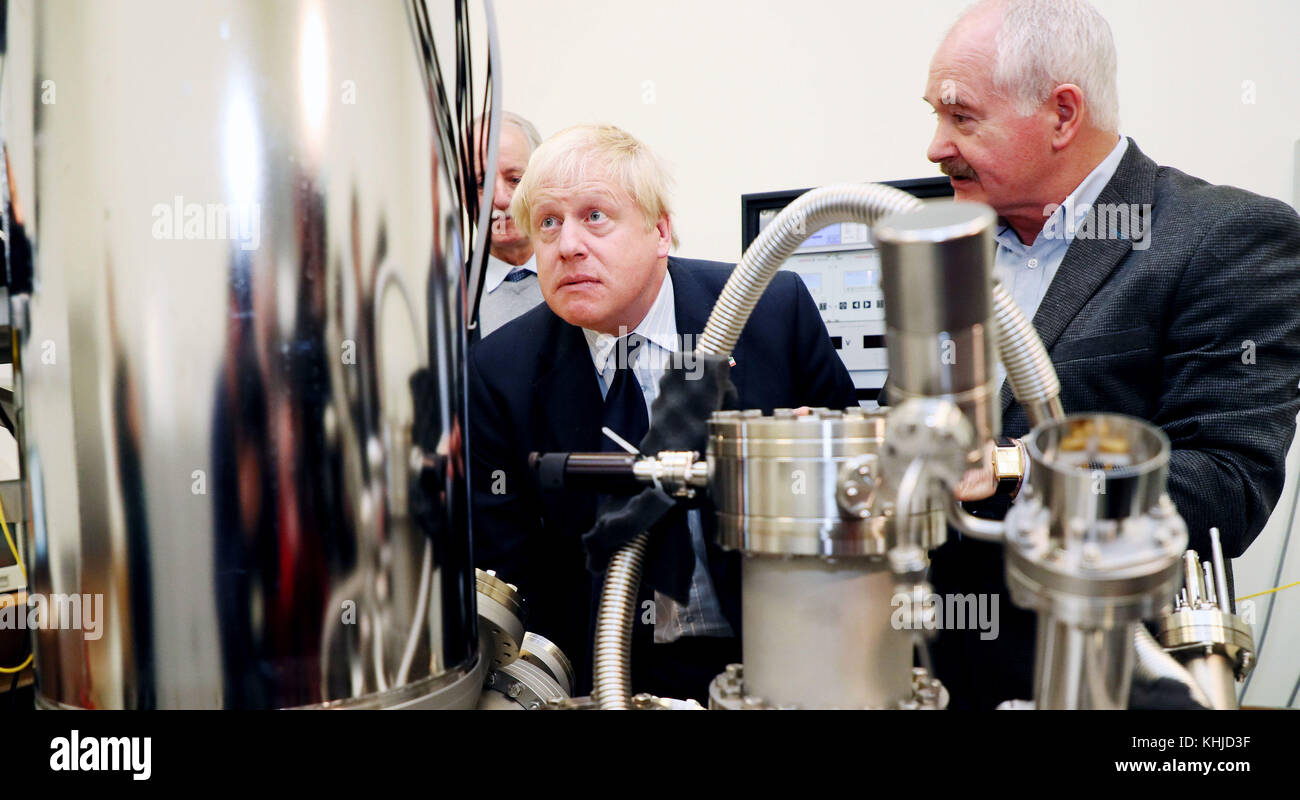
(1030, 371)
(812, 211)
(611, 684)
(1154, 663)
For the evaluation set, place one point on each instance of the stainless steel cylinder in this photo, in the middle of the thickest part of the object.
(805, 485)
(1213, 672)
(936, 275)
(1094, 546)
(1082, 668)
(1096, 468)
(820, 635)
(244, 250)
(802, 496)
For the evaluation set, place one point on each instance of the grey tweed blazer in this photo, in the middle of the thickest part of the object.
(1199, 333)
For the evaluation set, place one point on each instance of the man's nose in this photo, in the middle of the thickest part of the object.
(941, 146)
(502, 195)
(571, 242)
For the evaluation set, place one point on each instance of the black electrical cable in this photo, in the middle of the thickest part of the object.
(456, 131)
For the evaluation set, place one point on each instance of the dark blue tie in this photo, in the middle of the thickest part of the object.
(624, 403)
(517, 274)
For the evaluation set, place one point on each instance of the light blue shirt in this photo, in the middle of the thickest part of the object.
(1026, 271)
(702, 615)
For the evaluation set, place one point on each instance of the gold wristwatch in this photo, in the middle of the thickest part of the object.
(1008, 468)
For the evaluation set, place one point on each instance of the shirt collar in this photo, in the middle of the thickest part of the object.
(1078, 202)
(497, 270)
(659, 326)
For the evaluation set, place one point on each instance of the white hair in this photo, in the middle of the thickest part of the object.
(1042, 44)
(525, 127)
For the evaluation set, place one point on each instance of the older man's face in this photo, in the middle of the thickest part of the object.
(991, 154)
(598, 264)
(512, 159)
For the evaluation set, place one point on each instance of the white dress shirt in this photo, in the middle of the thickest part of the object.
(702, 615)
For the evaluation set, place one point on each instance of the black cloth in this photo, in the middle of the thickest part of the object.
(533, 387)
(1199, 334)
(687, 398)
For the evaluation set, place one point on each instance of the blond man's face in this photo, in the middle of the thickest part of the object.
(599, 265)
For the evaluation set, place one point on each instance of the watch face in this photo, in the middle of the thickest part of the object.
(1007, 464)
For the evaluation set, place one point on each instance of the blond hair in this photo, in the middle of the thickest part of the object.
(590, 151)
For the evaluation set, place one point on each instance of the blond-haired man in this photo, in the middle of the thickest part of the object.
(619, 312)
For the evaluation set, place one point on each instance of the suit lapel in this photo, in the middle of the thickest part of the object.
(690, 301)
(569, 394)
(1088, 262)
(693, 302)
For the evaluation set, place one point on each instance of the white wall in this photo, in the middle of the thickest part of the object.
(768, 94)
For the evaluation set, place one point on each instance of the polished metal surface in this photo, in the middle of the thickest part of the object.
(1189, 632)
(822, 635)
(1030, 373)
(544, 653)
(1214, 673)
(728, 692)
(500, 617)
(1090, 468)
(245, 248)
(1082, 668)
(520, 685)
(1215, 645)
(776, 483)
(936, 267)
(1093, 545)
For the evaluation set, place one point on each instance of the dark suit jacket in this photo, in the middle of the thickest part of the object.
(533, 387)
(1198, 334)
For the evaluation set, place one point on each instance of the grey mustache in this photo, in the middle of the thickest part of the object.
(953, 171)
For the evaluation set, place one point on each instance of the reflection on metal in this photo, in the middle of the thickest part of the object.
(235, 210)
(936, 267)
(1204, 634)
(1093, 546)
(802, 497)
(805, 485)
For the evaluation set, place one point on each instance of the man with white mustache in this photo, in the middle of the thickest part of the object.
(511, 286)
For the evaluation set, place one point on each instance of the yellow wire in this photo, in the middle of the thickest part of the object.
(21, 568)
(1268, 591)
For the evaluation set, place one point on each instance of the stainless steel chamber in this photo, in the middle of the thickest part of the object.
(800, 495)
(1093, 546)
(247, 259)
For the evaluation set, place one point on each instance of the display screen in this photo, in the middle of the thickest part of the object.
(859, 279)
(813, 280)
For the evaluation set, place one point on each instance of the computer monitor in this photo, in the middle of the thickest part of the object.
(841, 269)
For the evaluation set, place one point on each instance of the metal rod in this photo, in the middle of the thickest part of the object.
(1220, 571)
(1192, 573)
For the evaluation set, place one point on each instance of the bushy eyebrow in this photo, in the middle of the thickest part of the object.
(584, 199)
(958, 105)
